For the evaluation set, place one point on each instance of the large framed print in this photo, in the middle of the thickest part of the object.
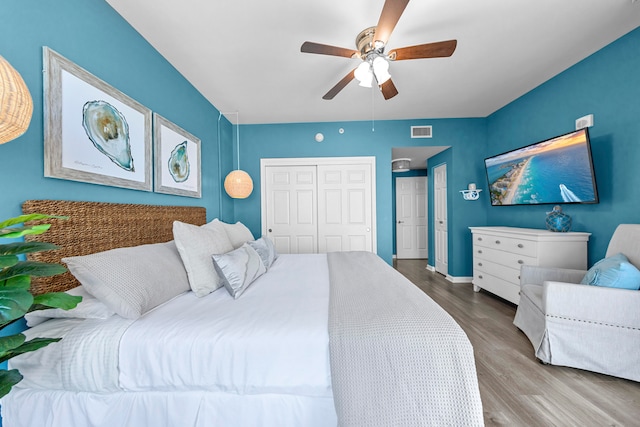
(93, 132)
(177, 159)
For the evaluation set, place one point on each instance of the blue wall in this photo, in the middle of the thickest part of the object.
(607, 85)
(91, 34)
(466, 136)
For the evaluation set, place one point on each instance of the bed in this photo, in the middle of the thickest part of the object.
(310, 340)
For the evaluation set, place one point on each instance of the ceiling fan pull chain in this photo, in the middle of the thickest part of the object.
(373, 112)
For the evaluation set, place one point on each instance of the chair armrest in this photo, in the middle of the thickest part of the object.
(534, 275)
(612, 306)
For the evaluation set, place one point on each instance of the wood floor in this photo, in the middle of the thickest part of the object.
(516, 390)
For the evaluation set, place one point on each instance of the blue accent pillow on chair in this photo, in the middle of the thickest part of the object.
(613, 272)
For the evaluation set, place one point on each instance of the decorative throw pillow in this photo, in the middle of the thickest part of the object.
(196, 245)
(238, 233)
(265, 248)
(132, 281)
(614, 272)
(239, 269)
(89, 308)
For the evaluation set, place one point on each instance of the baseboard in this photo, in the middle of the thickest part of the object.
(459, 279)
(431, 268)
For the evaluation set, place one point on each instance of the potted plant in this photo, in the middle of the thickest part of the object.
(15, 296)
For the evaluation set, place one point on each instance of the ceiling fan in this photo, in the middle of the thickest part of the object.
(371, 43)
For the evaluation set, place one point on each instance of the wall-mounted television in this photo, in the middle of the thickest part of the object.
(554, 171)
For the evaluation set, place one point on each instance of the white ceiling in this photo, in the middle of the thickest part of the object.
(244, 55)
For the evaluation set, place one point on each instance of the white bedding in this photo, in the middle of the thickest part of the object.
(271, 343)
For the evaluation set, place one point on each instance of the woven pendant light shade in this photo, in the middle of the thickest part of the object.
(16, 106)
(238, 184)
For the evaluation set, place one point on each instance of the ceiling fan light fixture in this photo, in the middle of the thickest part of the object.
(364, 74)
(381, 69)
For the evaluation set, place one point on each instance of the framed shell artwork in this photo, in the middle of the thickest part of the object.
(93, 132)
(177, 159)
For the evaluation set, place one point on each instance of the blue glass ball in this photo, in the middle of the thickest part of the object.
(558, 220)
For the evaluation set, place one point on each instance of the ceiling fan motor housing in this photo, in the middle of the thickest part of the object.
(366, 44)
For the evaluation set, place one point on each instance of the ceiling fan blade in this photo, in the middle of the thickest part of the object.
(428, 50)
(323, 49)
(391, 12)
(388, 89)
(341, 84)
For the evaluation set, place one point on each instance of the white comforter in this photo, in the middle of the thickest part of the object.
(273, 339)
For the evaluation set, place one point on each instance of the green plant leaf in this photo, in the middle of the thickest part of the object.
(18, 248)
(32, 268)
(27, 347)
(15, 232)
(21, 282)
(8, 260)
(55, 300)
(29, 217)
(8, 379)
(11, 342)
(14, 303)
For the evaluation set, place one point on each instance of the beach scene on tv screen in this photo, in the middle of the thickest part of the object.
(554, 171)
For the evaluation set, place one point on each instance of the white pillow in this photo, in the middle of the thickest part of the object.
(239, 268)
(265, 248)
(196, 245)
(132, 281)
(89, 308)
(238, 233)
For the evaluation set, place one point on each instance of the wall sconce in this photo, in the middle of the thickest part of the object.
(16, 105)
(471, 193)
(400, 165)
(238, 184)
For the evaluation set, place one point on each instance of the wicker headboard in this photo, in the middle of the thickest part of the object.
(95, 227)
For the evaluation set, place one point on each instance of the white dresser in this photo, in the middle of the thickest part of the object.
(498, 253)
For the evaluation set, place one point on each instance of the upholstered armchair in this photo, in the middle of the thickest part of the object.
(588, 327)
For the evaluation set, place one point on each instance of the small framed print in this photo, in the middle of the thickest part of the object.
(177, 159)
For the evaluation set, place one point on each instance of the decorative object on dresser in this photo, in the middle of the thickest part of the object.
(587, 319)
(557, 220)
(500, 252)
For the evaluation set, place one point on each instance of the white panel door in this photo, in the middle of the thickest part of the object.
(411, 217)
(344, 208)
(291, 216)
(440, 213)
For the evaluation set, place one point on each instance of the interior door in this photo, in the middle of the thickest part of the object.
(411, 217)
(344, 208)
(440, 213)
(291, 216)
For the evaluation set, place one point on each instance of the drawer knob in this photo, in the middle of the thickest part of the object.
(479, 239)
(520, 245)
(479, 264)
(497, 242)
(480, 276)
(479, 251)
(520, 261)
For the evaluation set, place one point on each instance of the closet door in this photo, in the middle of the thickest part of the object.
(344, 208)
(291, 215)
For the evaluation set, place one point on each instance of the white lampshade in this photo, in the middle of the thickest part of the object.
(16, 105)
(364, 75)
(381, 69)
(238, 184)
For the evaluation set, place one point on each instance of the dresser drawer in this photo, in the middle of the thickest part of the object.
(511, 275)
(508, 244)
(509, 259)
(497, 286)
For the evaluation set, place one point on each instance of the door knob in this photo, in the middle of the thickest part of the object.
(400, 222)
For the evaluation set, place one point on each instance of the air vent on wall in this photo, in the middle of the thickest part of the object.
(421, 132)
